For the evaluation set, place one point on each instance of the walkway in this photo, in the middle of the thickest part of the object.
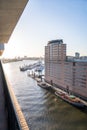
(3, 120)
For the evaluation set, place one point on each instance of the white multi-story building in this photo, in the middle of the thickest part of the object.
(62, 73)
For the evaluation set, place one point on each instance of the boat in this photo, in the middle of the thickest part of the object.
(73, 100)
(44, 85)
(25, 67)
(38, 66)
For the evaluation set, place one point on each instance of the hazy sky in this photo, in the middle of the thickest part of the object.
(44, 20)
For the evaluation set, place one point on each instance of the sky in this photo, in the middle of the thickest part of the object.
(45, 20)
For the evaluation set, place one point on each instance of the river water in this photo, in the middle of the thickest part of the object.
(41, 108)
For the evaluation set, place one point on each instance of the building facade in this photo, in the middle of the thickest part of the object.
(62, 73)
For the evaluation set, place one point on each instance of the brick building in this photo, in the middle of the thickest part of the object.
(65, 74)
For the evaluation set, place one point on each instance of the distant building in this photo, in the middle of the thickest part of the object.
(83, 58)
(62, 72)
(77, 55)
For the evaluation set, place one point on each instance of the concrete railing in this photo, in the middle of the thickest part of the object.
(15, 117)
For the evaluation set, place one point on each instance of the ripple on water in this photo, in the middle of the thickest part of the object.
(42, 109)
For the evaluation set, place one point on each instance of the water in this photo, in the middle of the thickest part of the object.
(41, 108)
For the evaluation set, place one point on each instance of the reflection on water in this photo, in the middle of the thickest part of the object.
(41, 108)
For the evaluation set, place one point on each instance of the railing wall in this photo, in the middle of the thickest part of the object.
(15, 117)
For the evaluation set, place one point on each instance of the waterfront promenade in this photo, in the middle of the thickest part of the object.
(3, 118)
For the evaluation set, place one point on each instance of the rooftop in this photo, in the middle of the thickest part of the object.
(58, 41)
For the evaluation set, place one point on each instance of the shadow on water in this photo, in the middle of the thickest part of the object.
(62, 115)
(84, 109)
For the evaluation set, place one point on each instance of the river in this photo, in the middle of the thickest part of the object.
(41, 108)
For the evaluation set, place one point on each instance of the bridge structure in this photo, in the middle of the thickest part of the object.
(11, 116)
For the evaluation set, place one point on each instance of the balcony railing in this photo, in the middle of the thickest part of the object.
(15, 117)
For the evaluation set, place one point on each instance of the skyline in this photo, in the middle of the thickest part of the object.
(47, 20)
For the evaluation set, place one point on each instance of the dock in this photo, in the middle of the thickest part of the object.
(48, 86)
(58, 89)
(36, 77)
